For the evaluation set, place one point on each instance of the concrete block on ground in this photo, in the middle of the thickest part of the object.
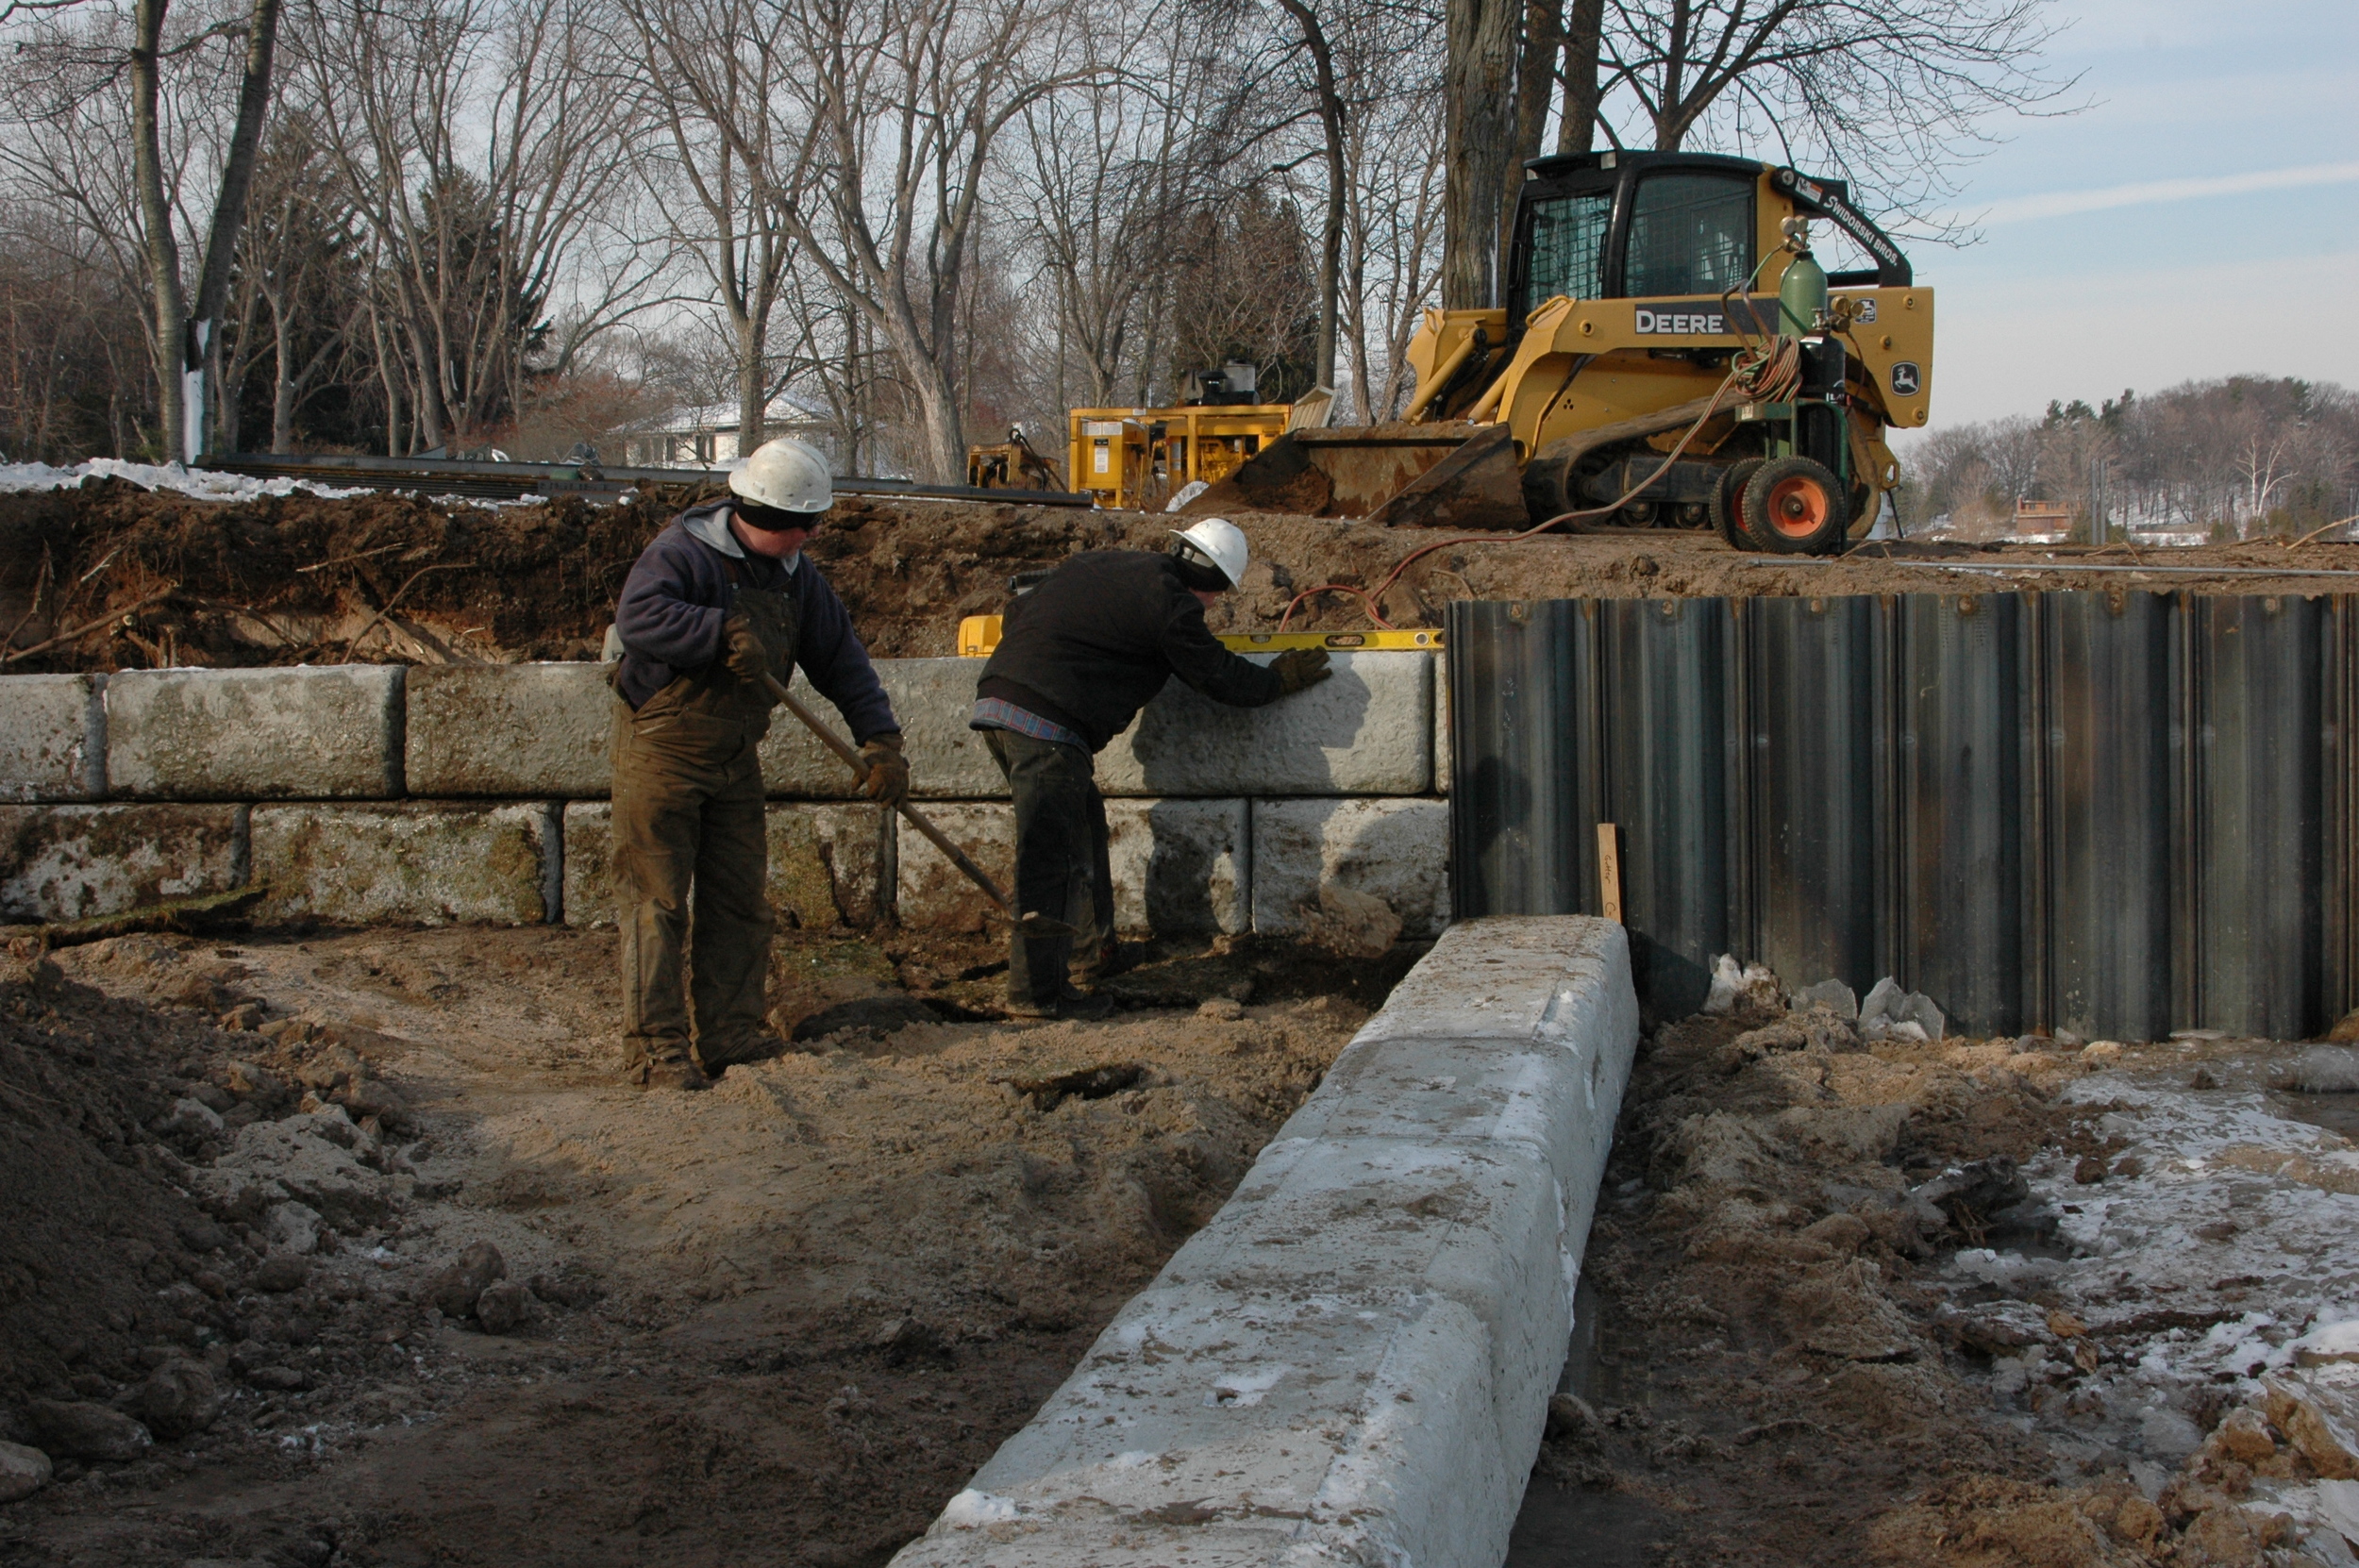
(509, 730)
(427, 864)
(827, 863)
(929, 891)
(1180, 866)
(1397, 850)
(1353, 1361)
(301, 734)
(72, 862)
(53, 737)
(933, 698)
(1368, 730)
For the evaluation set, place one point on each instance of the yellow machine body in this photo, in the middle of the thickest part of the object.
(1139, 457)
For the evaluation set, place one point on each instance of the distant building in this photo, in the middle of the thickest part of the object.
(707, 437)
(2041, 523)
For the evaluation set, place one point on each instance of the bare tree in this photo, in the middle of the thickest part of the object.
(1479, 117)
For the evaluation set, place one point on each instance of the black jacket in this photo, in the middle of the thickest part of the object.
(1096, 640)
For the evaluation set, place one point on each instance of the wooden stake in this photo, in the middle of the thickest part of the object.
(1610, 871)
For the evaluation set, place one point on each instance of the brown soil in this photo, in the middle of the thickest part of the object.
(1767, 1377)
(783, 1319)
(394, 578)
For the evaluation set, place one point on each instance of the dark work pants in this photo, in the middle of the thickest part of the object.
(1061, 866)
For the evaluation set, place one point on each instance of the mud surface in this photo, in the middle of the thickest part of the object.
(1865, 1305)
(782, 1320)
(158, 579)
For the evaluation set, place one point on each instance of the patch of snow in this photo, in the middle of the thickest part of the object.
(971, 1508)
(201, 483)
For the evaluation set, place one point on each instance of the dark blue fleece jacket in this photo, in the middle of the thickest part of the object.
(679, 592)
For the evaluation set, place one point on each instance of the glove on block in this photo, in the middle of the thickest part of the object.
(1299, 667)
(888, 776)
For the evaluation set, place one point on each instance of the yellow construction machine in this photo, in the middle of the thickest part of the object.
(1671, 355)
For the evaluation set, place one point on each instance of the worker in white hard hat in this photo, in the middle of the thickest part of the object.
(722, 597)
(1079, 654)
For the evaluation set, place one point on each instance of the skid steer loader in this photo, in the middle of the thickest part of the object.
(1671, 355)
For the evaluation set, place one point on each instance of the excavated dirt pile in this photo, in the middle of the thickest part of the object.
(134, 579)
(350, 1250)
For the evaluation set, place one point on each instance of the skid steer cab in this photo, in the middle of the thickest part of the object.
(1670, 353)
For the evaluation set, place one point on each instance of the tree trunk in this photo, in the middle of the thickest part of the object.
(237, 178)
(750, 385)
(1578, 128)
(1535, 85)
(1479, 121)
(1331, 235)
(163, 249)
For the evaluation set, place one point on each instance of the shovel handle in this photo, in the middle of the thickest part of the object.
(917, 819)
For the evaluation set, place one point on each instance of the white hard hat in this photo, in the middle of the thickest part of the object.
(785, 475)
(1220, 542)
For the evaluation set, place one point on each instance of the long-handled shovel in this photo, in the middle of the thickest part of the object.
(1034, 925)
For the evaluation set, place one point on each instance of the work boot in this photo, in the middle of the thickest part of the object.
(1070, 1004)
(674, 1072)
(716, 1059)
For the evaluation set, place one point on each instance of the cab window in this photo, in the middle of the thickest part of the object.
(1689, 234)
(1568, 246)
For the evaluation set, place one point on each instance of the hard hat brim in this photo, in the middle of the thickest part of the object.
(1204, 553)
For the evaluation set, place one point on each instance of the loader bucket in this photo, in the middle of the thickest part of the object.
(1423, 476)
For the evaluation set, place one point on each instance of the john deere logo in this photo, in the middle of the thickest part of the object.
(1686, 321)
(1907, 379)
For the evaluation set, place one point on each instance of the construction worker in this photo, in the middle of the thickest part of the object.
(1078, 656)
(721, 598)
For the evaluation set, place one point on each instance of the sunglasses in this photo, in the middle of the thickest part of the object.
(771, 520)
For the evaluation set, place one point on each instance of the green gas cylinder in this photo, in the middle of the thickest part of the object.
(1801, 296)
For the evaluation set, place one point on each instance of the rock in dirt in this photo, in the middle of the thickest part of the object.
(2320, 1422)
(282, 1272)
(1225, 1009)
(504, 1305)
(310, 1158)
(375, 1098)
(1751, 988)
(294, 1227)
(335, 1068)
(1890, 1013)
(279, 1379)
(80, 1429)
(1834, 996)
(253, 1081)
(179, 1398)
(906, 1340)
(1350, 924)
(2346, 1032)
(1970, 1194)
(23, 1470)
(456, 1289)
(2325, 1070)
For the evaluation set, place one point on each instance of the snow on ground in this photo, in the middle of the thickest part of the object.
(197, 482)
(2206, 1260)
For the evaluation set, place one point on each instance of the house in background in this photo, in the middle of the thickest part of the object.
(707, 437)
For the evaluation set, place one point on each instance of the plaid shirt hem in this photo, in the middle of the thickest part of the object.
(998, 713)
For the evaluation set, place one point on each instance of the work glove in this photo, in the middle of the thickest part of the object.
(887, 775)
(744, 652)
(1299, 667)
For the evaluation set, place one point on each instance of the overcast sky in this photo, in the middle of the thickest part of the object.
(2200, 219)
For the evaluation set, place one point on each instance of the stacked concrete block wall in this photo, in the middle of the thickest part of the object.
(1351, 1363)
(476, 793)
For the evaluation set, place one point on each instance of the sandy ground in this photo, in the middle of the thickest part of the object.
(786, 1317)
(297, 579)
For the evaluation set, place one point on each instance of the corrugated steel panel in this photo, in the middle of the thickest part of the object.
(2115, 814)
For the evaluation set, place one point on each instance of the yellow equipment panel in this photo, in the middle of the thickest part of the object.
(979, 634)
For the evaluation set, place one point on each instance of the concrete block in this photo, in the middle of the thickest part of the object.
(72, 862)
(929, 891)
(532, 730)
(827, 863)
(1442, 755)
(53, 737)
(300, 734)
(432, 864)
(932, 698)
(1397, 850)
(1180, 866)
(1351, 1363)
(1368, 730)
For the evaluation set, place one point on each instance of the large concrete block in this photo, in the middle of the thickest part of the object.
(431, 864)
(827, 863)
(1368, 730)
(1353, 1361)
(1399, 850)
(532, 730)
(1180, 866)
(53, 737)
(72, 862)
(929, 891)
(932, 698)
(300, 734)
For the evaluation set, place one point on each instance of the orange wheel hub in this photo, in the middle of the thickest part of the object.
(1797, 506)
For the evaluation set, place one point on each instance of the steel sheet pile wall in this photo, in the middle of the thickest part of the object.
(2116, 814)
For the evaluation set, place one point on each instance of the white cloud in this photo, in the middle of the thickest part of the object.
(2005, 348)
(2061, 203)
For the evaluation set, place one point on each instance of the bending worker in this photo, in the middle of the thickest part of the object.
(1078, 656)
(722, 597)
